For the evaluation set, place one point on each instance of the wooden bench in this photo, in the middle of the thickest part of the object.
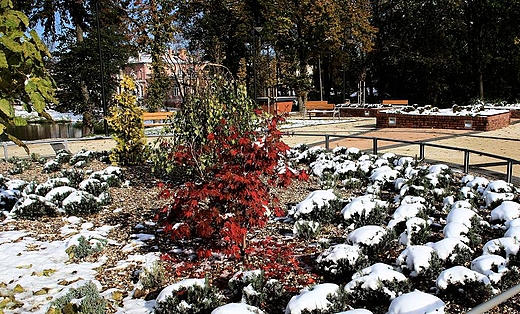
(160, 118)
(390, 102)
(314, 107)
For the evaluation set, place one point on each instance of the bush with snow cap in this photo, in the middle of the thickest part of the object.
(416, 302)
(319, 205)
(74, 175)
(364, 210)
(507, 210)
(464, 286)
(366, 235)
(8, 198)
(452, 250)
(188, 296)
(81, 203)
(44, 188)
(356, 311)
(493, 266)
(313, 298)
(416, 232)
(93, 186)
(253, 288)
(306, 229)
(237, 308)
(58, 194)
(52, 166)
(506, 245)
(339, 262)
(34, 206)
(420, 260)
(406, 211)
(375, 286)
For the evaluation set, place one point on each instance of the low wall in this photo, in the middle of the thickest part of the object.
(279, 107)
(478, 123)
(359, 112)
(515, 113)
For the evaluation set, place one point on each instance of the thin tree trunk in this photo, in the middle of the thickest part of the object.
(88, 116)
(481, 85)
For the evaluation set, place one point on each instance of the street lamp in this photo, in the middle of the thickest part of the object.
(255, 30)
(103, 97)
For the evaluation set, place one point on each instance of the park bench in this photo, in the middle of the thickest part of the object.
(322, 107)
(390, 102)
(160, 118)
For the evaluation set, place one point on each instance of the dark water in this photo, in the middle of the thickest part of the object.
(38, 131)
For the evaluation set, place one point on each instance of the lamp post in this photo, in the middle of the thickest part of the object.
(103, 97)
(255, 30)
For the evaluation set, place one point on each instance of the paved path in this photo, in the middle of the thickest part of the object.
(503, 142)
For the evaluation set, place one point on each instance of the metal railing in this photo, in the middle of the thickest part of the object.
(507, 161)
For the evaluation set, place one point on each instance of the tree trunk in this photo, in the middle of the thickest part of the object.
(481, 85)
(88, 116)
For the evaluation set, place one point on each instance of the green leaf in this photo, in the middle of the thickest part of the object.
(22, 17)
(3, 61)
(39, 43)
(6, 107)
(10, 44)
(19, 121)
(2, 128)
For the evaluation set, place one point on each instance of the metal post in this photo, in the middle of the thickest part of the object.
(374, 145)
(509, 171)
(327, 142)
(466, 161)
(103, 97)
(421, 151)
(321, 83)
(5, 151)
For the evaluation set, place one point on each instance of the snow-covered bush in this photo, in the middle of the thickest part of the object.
(84, 299)
(8, 198)
(306, 229)
(420, 260)
(312, 299)
(93, 186)
(251, 287)
(365, 210)
(79, 247)
(45, 187)
(111, 175)
(83, 155)
(464, 286)
(58, 194)
(34, 206)
(340, 262)
(152, 277)
(19, 165)
(190, 296)
(62, 157)
(416, 302)
(75, 176)
(319, 205)
(375, 286)
(417, 232)
(241, 308)
(81, 203)
(51, 166)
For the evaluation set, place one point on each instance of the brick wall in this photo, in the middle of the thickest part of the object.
(515, 113)
(479, 123)
(359, 112)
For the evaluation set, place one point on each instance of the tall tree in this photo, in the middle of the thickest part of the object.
(152, 22)
(77, 63)
(311, 31)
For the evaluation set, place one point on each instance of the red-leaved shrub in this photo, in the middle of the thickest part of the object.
(232, 194)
